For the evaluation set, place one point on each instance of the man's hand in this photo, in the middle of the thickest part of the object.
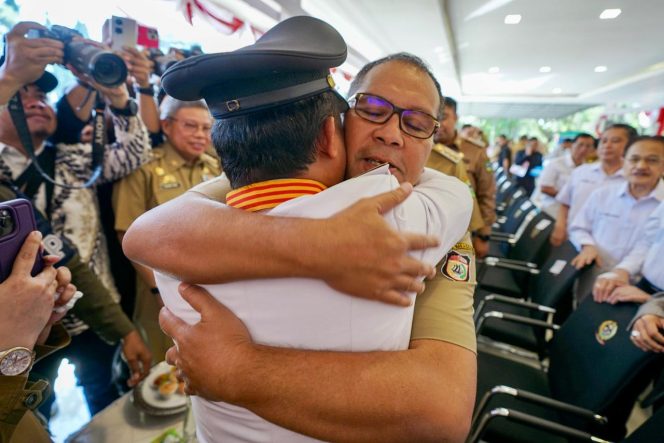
(587, 255)
(647, 333)
(25, 58)
(26, 302)
(628, 293)
(607, 282)
(220, 338)
(64, 293)
(140, 67)
(138, 357)
(376, 263)
(558, 235)
(481, 247)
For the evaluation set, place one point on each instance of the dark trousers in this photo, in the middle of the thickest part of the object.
(92, 358)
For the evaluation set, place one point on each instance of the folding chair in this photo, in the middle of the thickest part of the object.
(594, 376)
(506, 271)
(498, 317)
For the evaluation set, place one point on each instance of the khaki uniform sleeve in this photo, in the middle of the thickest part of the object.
(486, 189)
(130, 198)
(476, 220)
(445, 310)
(97, 308)
(18, 396)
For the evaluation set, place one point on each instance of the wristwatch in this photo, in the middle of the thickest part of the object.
(16, 361)
(129, 110)
(148, 90)
(482, 237)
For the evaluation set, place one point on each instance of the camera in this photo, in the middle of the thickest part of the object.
(164, 61)
(103, 66)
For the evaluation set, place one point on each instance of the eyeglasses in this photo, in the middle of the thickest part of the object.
(650, 161)
(190, 127)
(376, 109)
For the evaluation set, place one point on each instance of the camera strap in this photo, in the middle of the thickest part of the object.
(17, 113)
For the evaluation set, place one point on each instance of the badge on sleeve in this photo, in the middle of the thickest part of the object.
(456, 266)
(606, 331)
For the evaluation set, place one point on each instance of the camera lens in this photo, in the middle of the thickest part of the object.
(118, 21)
(118, 30)
(108, 69)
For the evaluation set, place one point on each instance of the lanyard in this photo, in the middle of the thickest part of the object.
(98, 141)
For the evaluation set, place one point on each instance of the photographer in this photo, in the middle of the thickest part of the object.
(72, 214)
(29, 327)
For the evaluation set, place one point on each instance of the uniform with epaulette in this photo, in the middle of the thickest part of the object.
(449, 161)
(166, 176)
(481, 178)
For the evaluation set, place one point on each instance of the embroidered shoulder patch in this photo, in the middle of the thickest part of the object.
(456, 266)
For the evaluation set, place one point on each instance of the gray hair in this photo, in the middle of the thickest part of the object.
(170, 106)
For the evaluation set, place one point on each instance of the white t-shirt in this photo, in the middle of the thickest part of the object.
(556, 173)
(307, 313)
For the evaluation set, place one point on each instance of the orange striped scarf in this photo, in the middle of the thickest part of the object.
(271, 193)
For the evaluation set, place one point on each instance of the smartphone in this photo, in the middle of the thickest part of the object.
(147, 37)
(119, 32)
(17, 221)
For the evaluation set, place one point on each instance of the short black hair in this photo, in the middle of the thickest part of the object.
(581, 135)
(403, 57)
(648, 138)
(631, 132)
(274, 143)
(448, 102)
(466, 126)
(533, 139)
(569, 140)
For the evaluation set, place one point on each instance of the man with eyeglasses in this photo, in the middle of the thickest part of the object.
(424, 392)
(613, 218)
(177, 165)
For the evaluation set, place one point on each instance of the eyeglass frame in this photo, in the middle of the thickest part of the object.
(395, 110)
(185, 123)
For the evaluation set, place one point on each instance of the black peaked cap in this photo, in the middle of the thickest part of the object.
(290, 62)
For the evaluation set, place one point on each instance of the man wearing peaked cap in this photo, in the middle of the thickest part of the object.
(272, 152)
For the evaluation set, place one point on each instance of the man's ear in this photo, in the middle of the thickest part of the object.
(166, 126)
(330, 138)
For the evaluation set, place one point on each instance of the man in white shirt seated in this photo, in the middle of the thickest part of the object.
(265, 149)
(556, 172)
(614, 217)
(586, 178)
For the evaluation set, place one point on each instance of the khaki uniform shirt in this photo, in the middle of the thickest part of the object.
(19, 397)
(481, 178)
(450, 162)
(445, 310)
(166, 176)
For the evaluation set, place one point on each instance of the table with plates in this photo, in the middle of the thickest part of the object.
(136, 417)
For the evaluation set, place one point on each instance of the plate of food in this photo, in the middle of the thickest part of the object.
(160, 393)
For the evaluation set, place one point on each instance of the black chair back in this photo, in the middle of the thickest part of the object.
(593, 363)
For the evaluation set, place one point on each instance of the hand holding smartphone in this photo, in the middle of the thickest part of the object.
(17, 221)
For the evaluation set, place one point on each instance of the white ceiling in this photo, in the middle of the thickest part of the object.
(462, 39)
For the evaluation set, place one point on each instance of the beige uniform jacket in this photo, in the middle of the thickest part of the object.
(481, 178)
(445, 310)
(450, 162)
(166, 176)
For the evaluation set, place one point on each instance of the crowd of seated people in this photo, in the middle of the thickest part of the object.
(611, 210)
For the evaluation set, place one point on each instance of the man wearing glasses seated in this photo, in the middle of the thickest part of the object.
(176, 165)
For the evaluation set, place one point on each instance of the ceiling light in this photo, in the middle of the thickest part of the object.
(494, 70)
(512, 19)
(556, 90)
(545, 69)
(600, 68)
(608, 14)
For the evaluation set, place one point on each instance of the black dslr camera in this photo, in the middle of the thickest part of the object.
(103, 66)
